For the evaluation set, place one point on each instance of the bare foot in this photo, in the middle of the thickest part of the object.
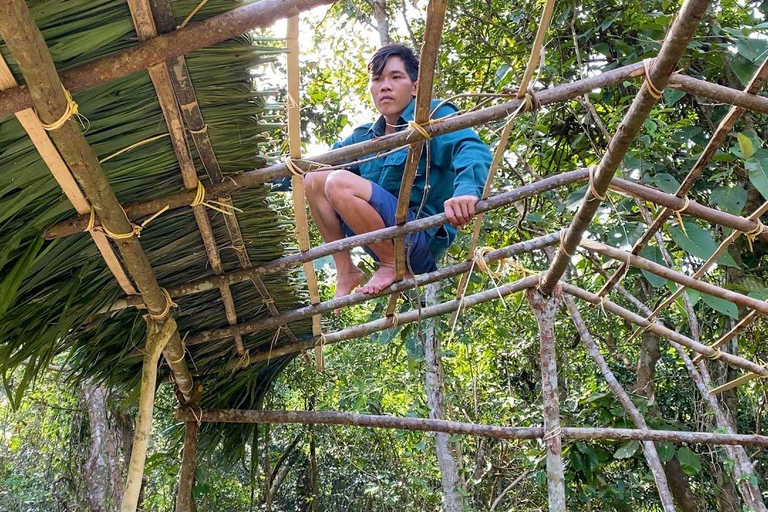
(381, 279)
(348, 281)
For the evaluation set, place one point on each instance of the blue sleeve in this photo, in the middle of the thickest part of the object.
(466, 154)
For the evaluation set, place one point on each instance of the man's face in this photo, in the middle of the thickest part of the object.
(393, 90)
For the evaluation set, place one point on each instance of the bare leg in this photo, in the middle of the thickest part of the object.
(348, 276)
(349, 196)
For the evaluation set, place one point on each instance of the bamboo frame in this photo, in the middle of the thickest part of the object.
(457, 427)
(680, 33)
(725, 127)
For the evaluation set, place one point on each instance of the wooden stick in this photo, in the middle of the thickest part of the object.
(184, 497)
(457, 427)
(349, 153)
(25, 42)
(538, 42)
(742, 100)
(545, 311)
(725, 127)
(661, 330)
(292, 260)
(677, 277)
(158, 49)
(683, 28)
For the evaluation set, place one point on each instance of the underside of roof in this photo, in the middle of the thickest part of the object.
(52, 293)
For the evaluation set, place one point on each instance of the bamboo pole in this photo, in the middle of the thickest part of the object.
(358, 298)
(680, 33)
(457, 427)
(677, 277)
(725, 127)
(249, 179)
(158, 49)
(663, 331)
(545, 311)
(292, 260)
(25, 42)
(158, 336)
(743, 469)
(188, 465)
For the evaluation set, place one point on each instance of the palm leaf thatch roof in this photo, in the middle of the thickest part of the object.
(51, 292)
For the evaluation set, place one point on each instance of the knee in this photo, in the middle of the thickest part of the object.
(339, 186)
(313, 182)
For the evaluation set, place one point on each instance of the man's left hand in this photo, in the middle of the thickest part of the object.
(460, 210)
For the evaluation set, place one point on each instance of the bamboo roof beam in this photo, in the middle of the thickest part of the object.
(158, 49)
(464, 428)
(248, 179)
(161, 80)
(52, 158)
(292, 260)
(680, 33)
(25, 42)
(722, 131)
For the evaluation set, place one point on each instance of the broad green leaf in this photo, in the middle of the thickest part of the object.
(666, 182)
(697, 241)
(729, 199)
(666, 451)
(689, 461)
(759, 294)
(694, 296)
(653, 253)
(672, 96)
(721, 305)
(745, 145)
(757, 165)
(627, 450)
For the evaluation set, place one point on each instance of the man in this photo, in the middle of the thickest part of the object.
(364, 198)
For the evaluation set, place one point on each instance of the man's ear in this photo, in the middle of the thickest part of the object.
(415, 88)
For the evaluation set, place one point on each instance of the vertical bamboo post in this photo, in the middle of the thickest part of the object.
(184, 500)
(545, 310)
(297, 182)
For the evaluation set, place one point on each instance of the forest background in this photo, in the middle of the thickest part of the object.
(57, 441)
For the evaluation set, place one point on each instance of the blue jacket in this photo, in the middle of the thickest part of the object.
(459, 163)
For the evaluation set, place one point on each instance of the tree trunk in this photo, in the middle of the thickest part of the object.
(101, 472)
(434, 384)
(382, 21)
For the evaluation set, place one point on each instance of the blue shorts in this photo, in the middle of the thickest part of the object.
(420, 258)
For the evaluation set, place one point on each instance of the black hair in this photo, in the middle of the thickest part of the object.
(383, 54)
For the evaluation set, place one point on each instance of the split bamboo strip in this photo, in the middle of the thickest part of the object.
(538, 43)
(350, 153)
(359, 298)
(25, 42)
(725, 127)
(727, 337)
(661, 330)
(292, 260)
(143, 20)
(749, 377)
(743, 469)
(680, 33)
(457, 427)
(703, 270)
(293, 108)
(675, 276)
(52, 158)
(545, 310)
(433, 32)
(158, 49)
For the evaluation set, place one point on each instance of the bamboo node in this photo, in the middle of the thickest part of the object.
(555, 432)
(654, 91)
(201, 131)
(592, 188)
(168, 305)
(413, 125)
(69, 111)
(199, 200)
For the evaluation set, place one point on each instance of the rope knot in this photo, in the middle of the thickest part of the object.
(199, 200)
(413, 125)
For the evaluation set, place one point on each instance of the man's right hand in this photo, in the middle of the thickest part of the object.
(460, 210)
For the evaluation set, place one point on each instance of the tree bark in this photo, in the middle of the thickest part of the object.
(101, 471)
(382, 21)
(184, 500)
(434, 384)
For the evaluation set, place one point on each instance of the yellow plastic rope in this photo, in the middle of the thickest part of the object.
(752, 235)
(295, 169)
(716, 355)
(562, 244)
(69, 111)
(199, 200)
(136, 229)
(654, 91)
(168, 305)
(91, 220)
(413, 125)
(134, 146)
(192, 14)
(686, 203)
(592, 188)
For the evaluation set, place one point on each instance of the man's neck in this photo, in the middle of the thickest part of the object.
(390, 122)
